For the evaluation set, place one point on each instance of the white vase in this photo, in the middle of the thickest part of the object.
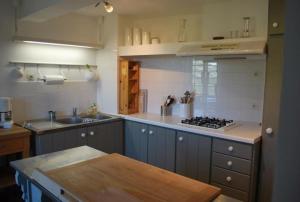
(146, 38)
(128, 37)
(185, 110)
(182, 31)
(137, 39)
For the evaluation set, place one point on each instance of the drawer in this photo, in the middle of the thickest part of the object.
(237, 194)
(230, 179)
(231, 163)
(11, 146)
(231, 148)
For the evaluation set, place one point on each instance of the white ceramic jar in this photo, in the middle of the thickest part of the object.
(137, 39)
(146, 38)
(128, 36)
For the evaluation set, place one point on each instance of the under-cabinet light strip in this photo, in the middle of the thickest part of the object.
(56, 44)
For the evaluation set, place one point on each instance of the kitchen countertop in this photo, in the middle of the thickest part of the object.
(246, 132)
(42, 126)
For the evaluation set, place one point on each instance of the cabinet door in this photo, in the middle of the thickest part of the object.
(43, 144)
(276, 16)
(68, 139)
(271, 115)
(193, 154)
(136, 141)
(161, 147)
(75, 138)
(106, 137)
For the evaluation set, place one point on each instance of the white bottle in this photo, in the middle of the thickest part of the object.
(182, 31)
(137, 39)
(128, 36)
(146, 38)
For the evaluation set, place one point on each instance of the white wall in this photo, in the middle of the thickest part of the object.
(107, 60)
(238, 93)
(32, 100)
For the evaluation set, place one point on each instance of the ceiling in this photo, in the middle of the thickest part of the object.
(147, 8)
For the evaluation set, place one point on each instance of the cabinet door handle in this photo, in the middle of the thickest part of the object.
(150, 132)
(269, 131)
(92, 133)
(143, 130)
(230, 148)
(229, 163)
(180, 139)
(275, 24)
(228, 179)
(83, 134)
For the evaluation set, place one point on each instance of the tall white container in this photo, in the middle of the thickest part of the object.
(146, 38)
(128, 36)
(137, 38)
(185, 110)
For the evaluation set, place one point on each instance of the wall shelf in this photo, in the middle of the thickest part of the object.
(43, 64)
(175, 48)
(151, 49)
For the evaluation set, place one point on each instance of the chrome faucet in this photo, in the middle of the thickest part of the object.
(74, 111)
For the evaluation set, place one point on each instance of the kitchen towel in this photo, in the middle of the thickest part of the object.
(54, 79)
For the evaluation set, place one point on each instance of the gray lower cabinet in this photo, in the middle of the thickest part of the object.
(193, 154)
(234, 168)
(107, 137)
(150, 144)
(161, 147)
(230, 165)
(136, 141)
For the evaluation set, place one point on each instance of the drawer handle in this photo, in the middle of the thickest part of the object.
(83, 135)
(143, 130)
(228, 179)
(230, 148)
(229, 163)
(180, 139)
(92, 133)
(150, 132)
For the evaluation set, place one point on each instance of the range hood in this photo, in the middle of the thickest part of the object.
(225, 47)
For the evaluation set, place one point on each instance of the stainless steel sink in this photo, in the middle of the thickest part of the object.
(70, 120)
(83, 119)
(98, 117)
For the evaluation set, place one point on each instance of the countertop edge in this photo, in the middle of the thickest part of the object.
(191, 130)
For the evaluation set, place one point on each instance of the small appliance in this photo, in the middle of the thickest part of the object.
(5, 112)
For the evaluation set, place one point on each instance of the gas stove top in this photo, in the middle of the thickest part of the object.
(211, 123)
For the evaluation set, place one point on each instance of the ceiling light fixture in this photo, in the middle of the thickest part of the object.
(107, 6)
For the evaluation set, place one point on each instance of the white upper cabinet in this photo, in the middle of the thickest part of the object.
(57, 22)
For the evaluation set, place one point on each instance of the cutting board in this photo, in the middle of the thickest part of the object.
(116, 178)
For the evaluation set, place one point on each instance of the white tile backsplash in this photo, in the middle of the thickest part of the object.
(238, 92)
